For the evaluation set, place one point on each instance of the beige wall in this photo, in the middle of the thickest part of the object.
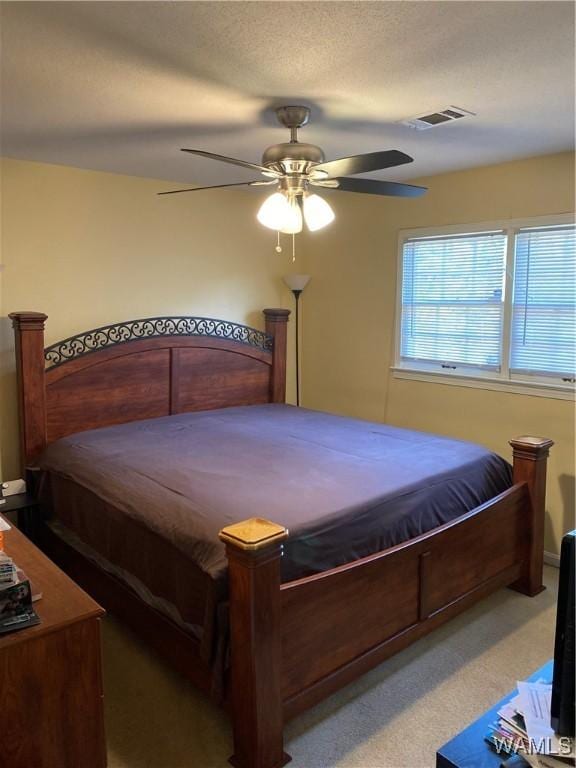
(93, 248)
(349, 308)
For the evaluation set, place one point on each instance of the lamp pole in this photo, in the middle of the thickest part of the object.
(297, 299)
(297, 283)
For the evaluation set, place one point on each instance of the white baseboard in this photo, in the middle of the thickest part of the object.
(552, 559)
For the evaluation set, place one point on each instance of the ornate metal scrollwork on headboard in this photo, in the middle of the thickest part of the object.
(151, 327)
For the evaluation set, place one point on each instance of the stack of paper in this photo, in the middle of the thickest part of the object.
(523, 728)
(16, 610)
(8, 575)
(16, 598)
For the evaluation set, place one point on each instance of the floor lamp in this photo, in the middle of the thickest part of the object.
(297, 283)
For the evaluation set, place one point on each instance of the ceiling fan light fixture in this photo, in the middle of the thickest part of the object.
(281, 214)
(317, 212)
(293, 220)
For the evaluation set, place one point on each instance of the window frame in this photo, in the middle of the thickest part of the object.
(527, 383)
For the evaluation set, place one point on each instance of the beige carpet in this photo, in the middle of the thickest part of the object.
(394, 717)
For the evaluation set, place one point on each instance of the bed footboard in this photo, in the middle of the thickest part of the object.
(296, 643)
(339, 624)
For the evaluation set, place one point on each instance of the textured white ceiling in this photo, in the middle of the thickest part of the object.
(121, 86)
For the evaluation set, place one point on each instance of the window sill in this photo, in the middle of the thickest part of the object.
(534, 389)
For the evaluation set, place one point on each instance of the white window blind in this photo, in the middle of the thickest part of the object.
(452, 294)
(543, 318)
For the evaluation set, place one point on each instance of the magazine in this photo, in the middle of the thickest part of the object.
(16, 611)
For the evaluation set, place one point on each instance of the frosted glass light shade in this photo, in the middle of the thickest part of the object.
(281, 214)
(293, 220)
(296, 282)
(317, 212)
(273, 210)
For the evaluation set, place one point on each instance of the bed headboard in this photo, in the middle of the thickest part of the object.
(141, 369)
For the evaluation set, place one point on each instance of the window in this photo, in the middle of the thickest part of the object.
(494, 303)
(452, 300)
(543, 339)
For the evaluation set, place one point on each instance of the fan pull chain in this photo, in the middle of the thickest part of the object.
(278, 248)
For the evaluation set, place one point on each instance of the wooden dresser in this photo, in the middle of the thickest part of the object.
(51, 705)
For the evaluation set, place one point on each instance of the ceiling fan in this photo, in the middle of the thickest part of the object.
(296, 167)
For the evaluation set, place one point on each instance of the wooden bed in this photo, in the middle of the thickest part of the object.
(295, 643)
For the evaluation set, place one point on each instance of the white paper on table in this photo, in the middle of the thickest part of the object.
(534, 700)
(4, 525)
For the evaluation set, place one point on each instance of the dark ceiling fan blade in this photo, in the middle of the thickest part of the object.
(376, 187)
(372, 161)
(220, 186)
(233, 161)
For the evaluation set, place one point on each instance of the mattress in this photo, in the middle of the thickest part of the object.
(150, 496)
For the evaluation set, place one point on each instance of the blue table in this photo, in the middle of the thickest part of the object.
(469, 749)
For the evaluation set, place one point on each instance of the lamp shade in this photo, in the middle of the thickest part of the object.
(293, 218)
(280, 213)
(317, 212)
(296, 282)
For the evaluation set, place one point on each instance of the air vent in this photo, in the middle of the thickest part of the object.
(433, 119)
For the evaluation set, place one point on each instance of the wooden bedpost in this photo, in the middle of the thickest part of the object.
(530, 459)
(276, 326)
(254, 548)
(29, 338)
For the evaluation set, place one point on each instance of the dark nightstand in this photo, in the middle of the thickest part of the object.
(26, 506)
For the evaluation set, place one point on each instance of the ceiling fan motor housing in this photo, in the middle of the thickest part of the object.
(292, 157)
